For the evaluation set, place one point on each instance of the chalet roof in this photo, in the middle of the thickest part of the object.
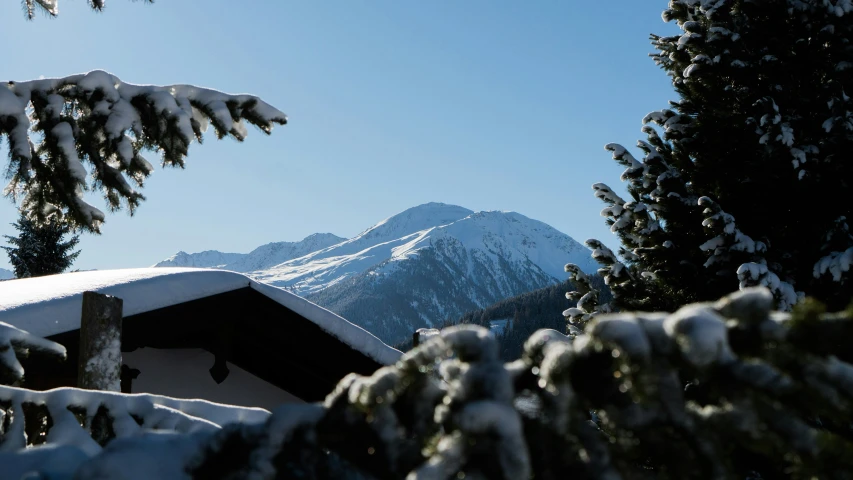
(52, 305)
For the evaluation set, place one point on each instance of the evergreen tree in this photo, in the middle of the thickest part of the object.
(744, 180)
(41, 249)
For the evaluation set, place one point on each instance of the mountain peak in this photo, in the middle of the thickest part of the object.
(318, 240)
(415, 219)
(435, 206)
(315, 236)
(433, 210)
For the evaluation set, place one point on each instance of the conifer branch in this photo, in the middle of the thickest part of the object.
(95, 119)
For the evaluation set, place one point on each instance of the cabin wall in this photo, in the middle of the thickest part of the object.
(184, 373)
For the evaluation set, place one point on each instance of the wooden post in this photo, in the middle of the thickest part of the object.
(99, 363)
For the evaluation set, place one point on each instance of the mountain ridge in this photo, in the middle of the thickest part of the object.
(265, 256)
(6, 274)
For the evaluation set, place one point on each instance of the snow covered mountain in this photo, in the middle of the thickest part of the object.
(265, 256)
(418, 268)
(321, 269)
(6, 274)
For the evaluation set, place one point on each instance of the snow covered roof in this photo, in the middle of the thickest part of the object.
(50, 305)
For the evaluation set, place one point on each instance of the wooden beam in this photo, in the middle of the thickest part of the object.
(99, 362)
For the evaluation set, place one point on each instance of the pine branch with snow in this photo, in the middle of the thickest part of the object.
(730, 248)
(55, 127)
(834, 265)
(51, 7)
(16, 344)
(630, 290)
(89, 419)
(585, 298)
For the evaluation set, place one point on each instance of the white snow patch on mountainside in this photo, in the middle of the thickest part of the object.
(496, 236)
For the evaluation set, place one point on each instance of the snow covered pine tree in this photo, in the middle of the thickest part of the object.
(749, 183)
(39, 249)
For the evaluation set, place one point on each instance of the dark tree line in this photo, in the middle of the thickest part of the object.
(525, 314)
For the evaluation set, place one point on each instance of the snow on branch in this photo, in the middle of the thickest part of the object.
(623, 217)
(607, 195)
(88, 419)
(836, 264)
(836, 259)
(731, 246)
(15, 344)
(585, 296)
(51, 7)
(616, 274)
(624, 158)
(754, 274)
(612, 269)
(648, 180)
(56, 127)
(729, 238)
(671, 122)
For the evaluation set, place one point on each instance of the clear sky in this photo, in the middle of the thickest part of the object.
(491, 105)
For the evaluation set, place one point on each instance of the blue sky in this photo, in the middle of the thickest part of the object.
(392, 103)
